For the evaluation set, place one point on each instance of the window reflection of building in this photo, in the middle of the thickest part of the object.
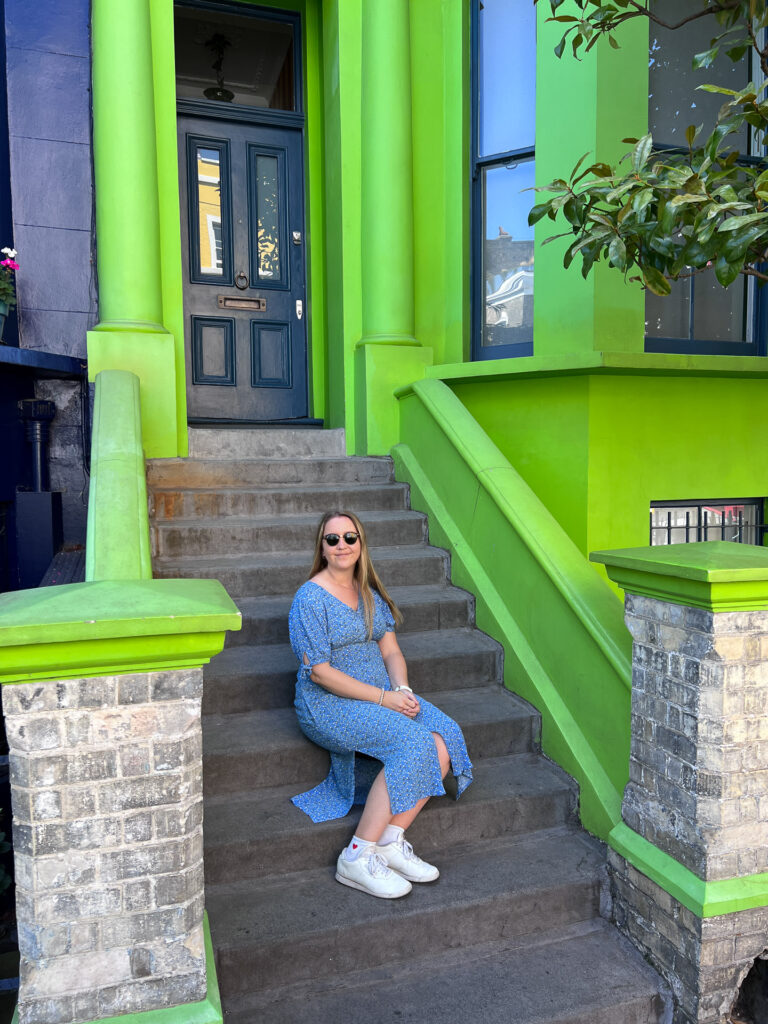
(209, 206)
(505, 73)
(687, 522)
(699, 315)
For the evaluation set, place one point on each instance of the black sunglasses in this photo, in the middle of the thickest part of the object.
(332, 539)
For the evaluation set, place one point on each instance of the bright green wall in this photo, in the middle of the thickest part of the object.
(598, 448)
(681, 437)
(543, 429)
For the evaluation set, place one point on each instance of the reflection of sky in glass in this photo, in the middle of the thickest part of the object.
(505, 205)
(508, 75)
(211, 156)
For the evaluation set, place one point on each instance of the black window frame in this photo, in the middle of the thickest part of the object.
(702, 503)
(479, 164)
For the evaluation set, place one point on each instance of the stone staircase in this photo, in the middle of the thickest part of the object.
(512, 931)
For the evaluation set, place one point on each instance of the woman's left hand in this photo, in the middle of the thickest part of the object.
(402, 701)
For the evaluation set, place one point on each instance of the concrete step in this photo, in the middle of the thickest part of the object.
(248, 834)
(246, 678)
(207, 502)
(266, 472)
(273, 574)
(265, 619)
(304, 926)
(265, 442)
(260, 749)
(581, 974)
(279, 534)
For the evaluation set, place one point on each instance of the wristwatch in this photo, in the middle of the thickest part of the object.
(399, 688)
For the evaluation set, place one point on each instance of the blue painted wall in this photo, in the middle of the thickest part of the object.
(48, 64)
(49, 125)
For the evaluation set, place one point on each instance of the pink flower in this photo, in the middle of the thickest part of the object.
(12, 264)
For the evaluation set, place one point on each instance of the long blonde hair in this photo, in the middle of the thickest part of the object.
(365, 575)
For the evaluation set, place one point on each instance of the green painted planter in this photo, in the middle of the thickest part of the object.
(3, 315)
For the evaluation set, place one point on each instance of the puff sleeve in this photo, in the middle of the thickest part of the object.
(308, 628)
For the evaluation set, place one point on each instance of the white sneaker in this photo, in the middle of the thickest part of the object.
(400, 857)
(370, 874)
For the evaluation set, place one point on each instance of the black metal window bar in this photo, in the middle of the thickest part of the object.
(686, 522)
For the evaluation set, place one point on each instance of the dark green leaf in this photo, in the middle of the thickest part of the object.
(726, 273)
(655, 281)
(537, 212)
(617, 253)
(641, 152)
(705, 58)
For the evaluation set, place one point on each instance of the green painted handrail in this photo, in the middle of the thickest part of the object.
(117, 546)
(566, 647)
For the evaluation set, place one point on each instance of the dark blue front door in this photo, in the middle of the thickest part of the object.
(242, 211)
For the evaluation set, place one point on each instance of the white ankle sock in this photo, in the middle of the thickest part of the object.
(356, 847)
(390, 835)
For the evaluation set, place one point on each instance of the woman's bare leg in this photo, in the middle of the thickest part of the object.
(407, 818)
(377, 813)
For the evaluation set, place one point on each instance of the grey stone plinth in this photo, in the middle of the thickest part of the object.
(106, 779)
(698, 791)
(699, 752)
(705, 960)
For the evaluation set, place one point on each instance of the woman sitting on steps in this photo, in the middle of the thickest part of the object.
(352, 695)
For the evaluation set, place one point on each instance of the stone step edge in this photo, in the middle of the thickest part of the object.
(445, 959)
(276, 488)
(482, 765)
(414, 639)
(302, 558)
(285, 519)
(558, 833)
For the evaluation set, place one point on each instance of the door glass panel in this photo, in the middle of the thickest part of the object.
(228, 58)
(507, 255)
(267, 212)
(209, 211)
(210, 258)
(267, 191)
(507, 73)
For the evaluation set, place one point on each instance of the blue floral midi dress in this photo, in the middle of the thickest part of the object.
(326, 629)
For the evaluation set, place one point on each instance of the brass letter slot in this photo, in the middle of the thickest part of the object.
(233, 302)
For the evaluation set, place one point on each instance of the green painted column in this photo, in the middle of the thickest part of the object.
(125, 167)
(131, 334)
(387, 174)
(583, 107)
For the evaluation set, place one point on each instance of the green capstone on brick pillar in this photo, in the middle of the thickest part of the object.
(130, 334)
(383, 360)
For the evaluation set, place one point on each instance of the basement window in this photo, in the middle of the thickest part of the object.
(685, 522)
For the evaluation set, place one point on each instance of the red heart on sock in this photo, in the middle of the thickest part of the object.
(354, 846)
